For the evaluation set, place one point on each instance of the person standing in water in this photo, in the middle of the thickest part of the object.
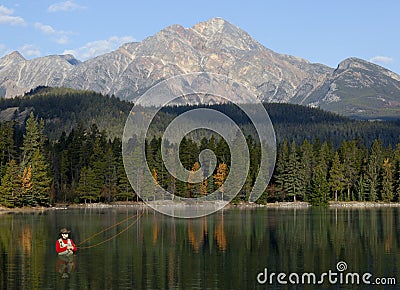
(65, 245)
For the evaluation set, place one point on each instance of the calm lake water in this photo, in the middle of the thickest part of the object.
(226, 250)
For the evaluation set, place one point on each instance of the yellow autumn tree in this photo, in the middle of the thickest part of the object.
(155, 180)
(27, 197)
(194, 188)
(203, 187)
(220, 176)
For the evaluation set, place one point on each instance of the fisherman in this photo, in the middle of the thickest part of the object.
(65, 245)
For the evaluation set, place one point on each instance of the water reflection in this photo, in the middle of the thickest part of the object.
(225, 250)
(65, 265)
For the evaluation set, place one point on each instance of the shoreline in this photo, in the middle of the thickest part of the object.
(280, 205)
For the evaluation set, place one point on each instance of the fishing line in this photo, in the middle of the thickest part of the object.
(108, 228)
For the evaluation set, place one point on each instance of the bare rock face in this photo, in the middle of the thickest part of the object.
(214, 46)
(18, 75)
(358, 88)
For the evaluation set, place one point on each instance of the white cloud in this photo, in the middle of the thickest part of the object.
(95, 48)
(29, 51)
(381, 59)
(64, 6)
(60, 35)
(6, 17)
(46, 29)
(62, 40)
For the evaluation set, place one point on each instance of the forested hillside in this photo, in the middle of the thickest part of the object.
(68, 150)
(63, 109)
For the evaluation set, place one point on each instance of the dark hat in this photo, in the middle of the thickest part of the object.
(64, 231)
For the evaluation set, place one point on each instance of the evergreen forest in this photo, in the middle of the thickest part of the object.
(64, 146)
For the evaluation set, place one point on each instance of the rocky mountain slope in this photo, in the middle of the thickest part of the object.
(356, 87)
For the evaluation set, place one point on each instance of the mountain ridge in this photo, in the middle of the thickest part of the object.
(215, 46)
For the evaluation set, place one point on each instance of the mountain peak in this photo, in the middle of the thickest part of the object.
(357, 63)
(15, 55)
(215, 25)
(352, 62)
(215, 46)
(217, 22)
(220, 32)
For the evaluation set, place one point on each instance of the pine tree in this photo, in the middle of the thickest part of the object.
(372, 171)
(194, 187)
(348, 153)
(98, 164)
(26, 197)
(87, 189)
(42, 136)
(125, 191)
(211, 187)
(396, 182)
(7, 150)
(336, 176)
(307, 161)
(76, 159)
(110, 176)
(320, 186)
(41, 179)
(281, 166)
(36, 179)
(31, 140)
(387, 181)
(293, 181)
(10, 188)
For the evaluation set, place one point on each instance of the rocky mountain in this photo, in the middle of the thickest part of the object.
(356, 87)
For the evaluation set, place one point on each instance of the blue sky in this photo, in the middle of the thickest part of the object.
(319, 31)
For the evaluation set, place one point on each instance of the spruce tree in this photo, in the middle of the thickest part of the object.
(110, 176)
(10, 188)
(348, 153)
(336, 176)
(31, 140)
(396, 182)
(36, 177)
(280, 174)
(387, 181)
(7, 150)
(125, 191)
(320, 186)
(307, 162)
(293, 180)
(98, 164)
(87, 189)
(41, 179)
(372, 170)
(26, 197)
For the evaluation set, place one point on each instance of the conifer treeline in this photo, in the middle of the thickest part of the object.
(319, 173)
(25, 174)
(86, 166)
